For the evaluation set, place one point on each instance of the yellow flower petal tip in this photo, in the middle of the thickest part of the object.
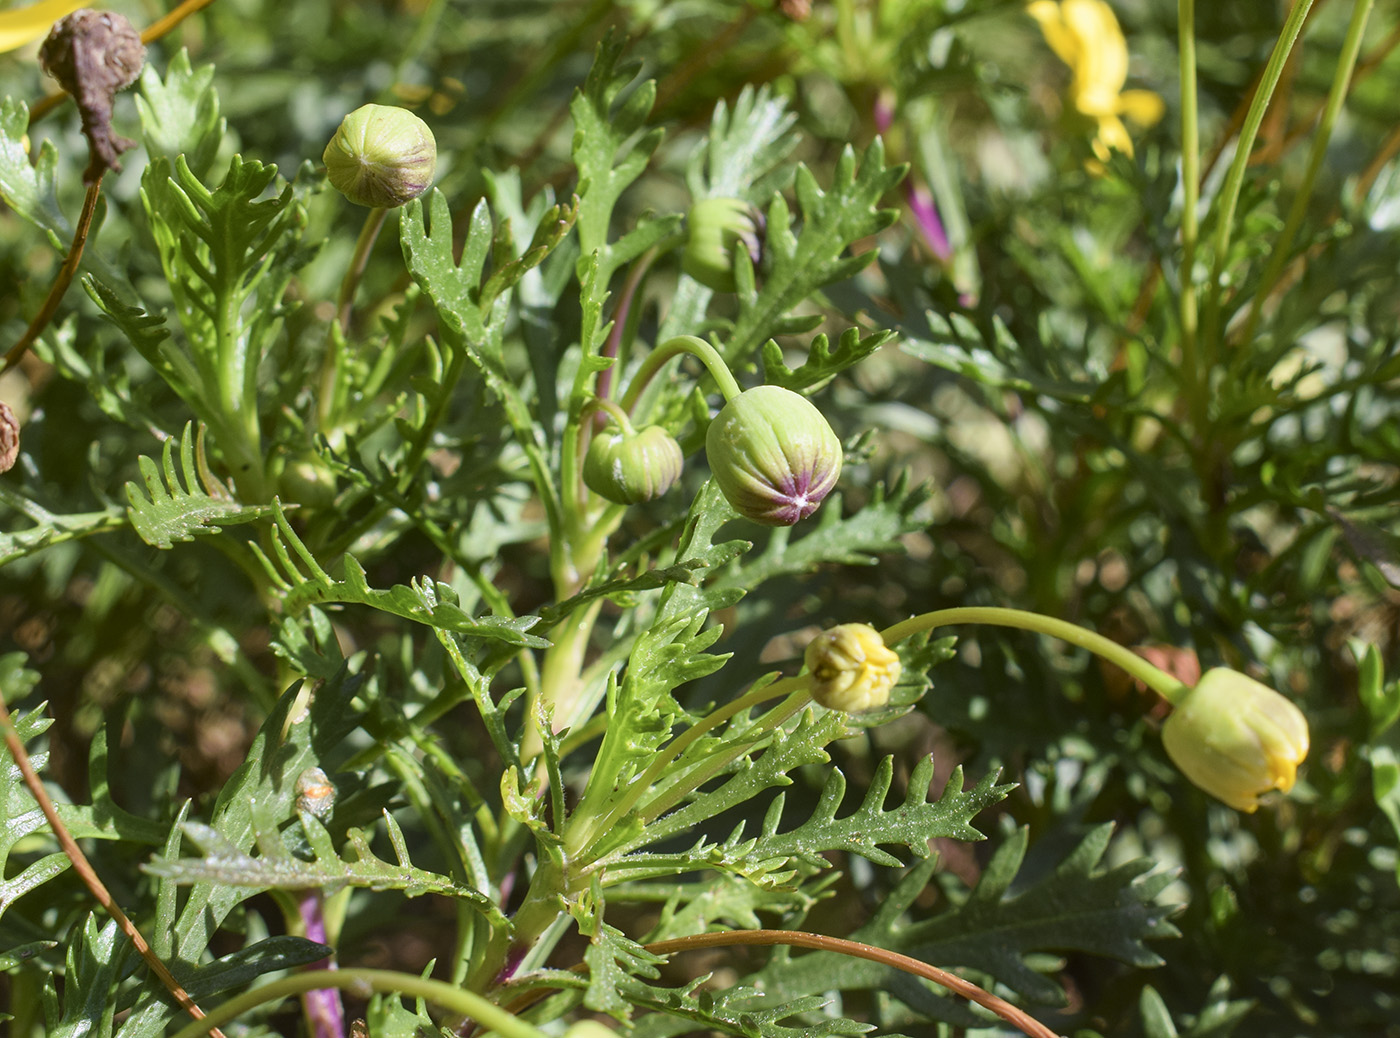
(1085, 35)
(28, 24)
(1236, 739)
(852, 668)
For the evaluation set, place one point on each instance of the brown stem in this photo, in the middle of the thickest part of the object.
(161, 26)
(84, 868)
(60, 282)
(818, 942)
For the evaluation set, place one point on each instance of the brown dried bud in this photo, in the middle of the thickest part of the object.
(9, 437)
(94, 54)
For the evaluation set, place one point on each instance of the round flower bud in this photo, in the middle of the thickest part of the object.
(773, 455)
(630, 467)
(381, 156)
(1236, 738)
(714, 228)
(852, 668)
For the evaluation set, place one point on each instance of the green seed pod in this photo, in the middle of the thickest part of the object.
(1236, 738)
(715, 227)
(852, 668)
(630, 467)
(773, 455)
(381, 157)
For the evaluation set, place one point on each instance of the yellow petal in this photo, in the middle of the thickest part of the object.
(29, 23)
(1103, 67)
(1141, 106)
(1112, 135)
(1052, 25)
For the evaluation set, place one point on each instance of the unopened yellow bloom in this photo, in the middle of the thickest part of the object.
(26, 24)
(1236, 739)
(1086, 37)
(852, 668)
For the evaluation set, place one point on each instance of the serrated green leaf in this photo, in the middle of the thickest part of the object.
(303, 583)
(180, 115)
(177, 506)
(822, 363)
(853, 540)
(50, 529)
(31, 190)
(275, 868)
(797, 264)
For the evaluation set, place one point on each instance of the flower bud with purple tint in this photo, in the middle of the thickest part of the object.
(773, 455)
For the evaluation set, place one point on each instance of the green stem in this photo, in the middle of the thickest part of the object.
(654, 361)
(467, 1003)
(327, 397)
(1166, 686)
(614, 412)
(1341, 83)
(1234, 179)
(1195, 379)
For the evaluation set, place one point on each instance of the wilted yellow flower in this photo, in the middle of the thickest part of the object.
(1086, 37)
(852, 668)
(1236, 739)
(29, 23)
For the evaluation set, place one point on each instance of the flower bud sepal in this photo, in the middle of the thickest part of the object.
(717, 230)
(1236, 738)
(773, 454)
(381, 157)
(629, 466)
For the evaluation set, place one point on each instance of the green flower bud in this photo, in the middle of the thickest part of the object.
(381, 157)
(1236, 739)
(630, 467)
(852, 668)
(715, 227)
(773, 455)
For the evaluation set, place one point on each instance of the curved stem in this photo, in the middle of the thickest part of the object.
(1234, 178)
(1341, 81)
(363, 981)
(708, 355)
(1166, 686)
(1018, 1018)
(61, 281)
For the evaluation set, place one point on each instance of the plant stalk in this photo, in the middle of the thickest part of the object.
(1166, 686)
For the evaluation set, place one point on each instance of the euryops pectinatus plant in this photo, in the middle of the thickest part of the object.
(781, 519)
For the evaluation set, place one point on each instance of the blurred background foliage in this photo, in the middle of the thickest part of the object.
(1034, 388)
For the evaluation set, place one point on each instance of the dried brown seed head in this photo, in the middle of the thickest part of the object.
(94, 54)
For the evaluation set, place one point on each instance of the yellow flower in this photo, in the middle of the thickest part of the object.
(852, 668)
(1086, 37)
(1236, 739)
(29, 23)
